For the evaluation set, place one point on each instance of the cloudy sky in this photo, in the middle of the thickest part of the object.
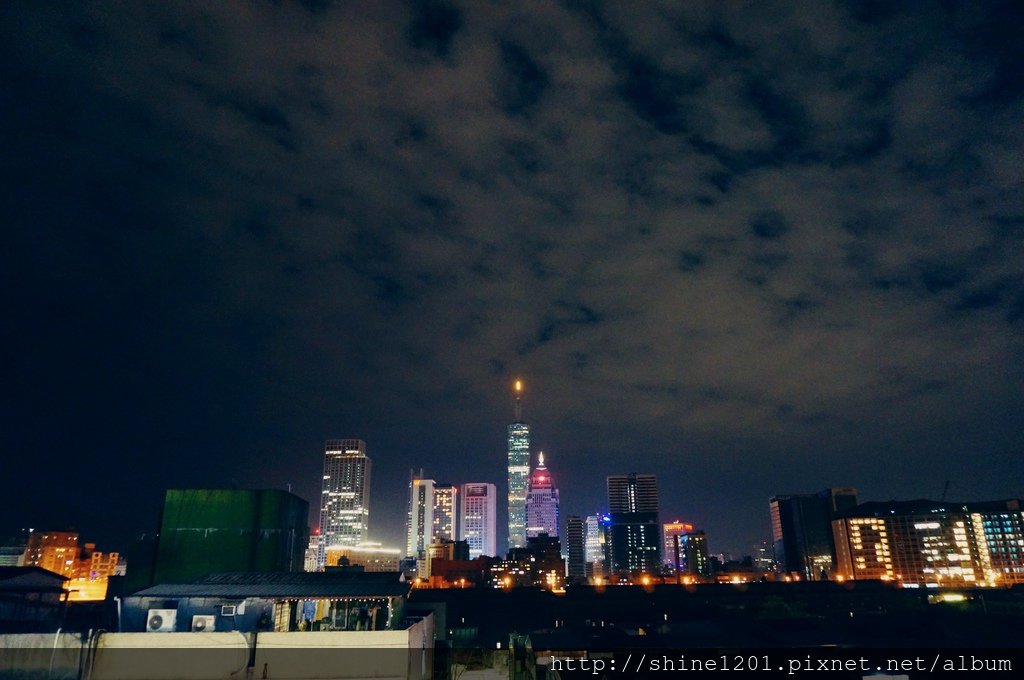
(753, 248)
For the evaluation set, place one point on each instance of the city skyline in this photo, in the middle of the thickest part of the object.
(753, 250)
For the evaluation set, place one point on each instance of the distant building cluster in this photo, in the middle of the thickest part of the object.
(86, 570)
(921, 543)
(213, 546)
(451, 529)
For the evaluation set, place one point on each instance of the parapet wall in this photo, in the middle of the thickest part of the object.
(220, 656)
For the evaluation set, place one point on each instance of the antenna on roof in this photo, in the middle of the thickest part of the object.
(518, 390)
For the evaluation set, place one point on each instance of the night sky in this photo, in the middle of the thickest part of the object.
(750, 249)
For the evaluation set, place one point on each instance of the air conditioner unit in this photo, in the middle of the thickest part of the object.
(227, 610)
(204, 624)
(161, 620)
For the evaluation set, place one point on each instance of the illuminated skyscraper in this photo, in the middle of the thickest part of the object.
(446, 510)
(693, 551)
(345, 501)
(596, 544)
(518, 471)
(635, 531)
(420, 522)
(674, 555)
(541, 503)
(477, 524)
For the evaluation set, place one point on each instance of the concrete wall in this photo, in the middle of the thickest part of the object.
(221, 656)
(41, 655)
(153, 656)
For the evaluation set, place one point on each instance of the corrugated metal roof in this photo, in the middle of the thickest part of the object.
(286, 585)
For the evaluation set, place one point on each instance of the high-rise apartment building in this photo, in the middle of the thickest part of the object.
(345, 501)
(420, 521)
(542, 513)
(693, 551)
(932, 543)
(446, 511)
(478, 521)
(576, 546)
(635, 530)
(518, 472)
(802, 530)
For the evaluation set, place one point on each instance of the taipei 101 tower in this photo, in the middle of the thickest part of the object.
(518, 472)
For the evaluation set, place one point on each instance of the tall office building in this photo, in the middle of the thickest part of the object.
(764, 556)
(596, 544)
(673, 554)
(420, 522)
(576, 546)
(802, 530)
(932, 543)
(478, 521)
(446, 511)
(345, 501)
(542, 515)
(635, 530)
(518, 472)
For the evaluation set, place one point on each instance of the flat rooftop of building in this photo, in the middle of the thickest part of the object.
(286, 584)
(924, 506)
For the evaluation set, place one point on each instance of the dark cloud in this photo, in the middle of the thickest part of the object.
(433, 26)
(769, 225)
(524, 81)
(751, 248)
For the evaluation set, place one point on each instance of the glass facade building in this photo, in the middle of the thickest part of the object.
(477, 524)
(635, 530)
(446, 510)
(345, 499)
(518, 473)
(673, 556)
(420, 522)
(596, 544)
(802, 531)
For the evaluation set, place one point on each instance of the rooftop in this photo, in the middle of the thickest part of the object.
(336, 584)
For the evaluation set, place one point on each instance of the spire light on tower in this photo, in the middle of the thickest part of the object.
(518, 388)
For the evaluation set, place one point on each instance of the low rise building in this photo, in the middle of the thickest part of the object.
(277, 601)
(32, 599)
